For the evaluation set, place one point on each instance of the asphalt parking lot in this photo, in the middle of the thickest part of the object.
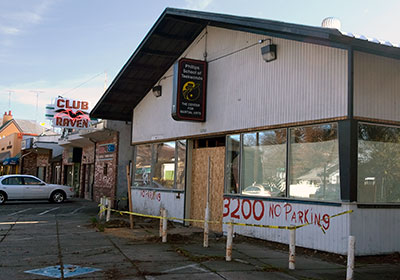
(57, 241)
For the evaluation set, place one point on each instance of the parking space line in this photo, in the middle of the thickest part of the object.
(22, 211)
(47, 211)
(77, 209)
(195, 266)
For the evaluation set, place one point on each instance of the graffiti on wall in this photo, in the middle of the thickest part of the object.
(152, 195)
(274, 211)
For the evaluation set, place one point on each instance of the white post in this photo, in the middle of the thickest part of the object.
(350, 258)
(164, 226)
(108, 203)
(292, 249)
(161, 221)
(207, 210)
(101, 213)
(206, 229)
(229, 239)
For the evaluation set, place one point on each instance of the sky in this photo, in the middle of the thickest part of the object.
(75, 48)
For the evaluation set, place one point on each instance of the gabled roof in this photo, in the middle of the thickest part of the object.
(176, 29)
(25, 126)
(30, 127)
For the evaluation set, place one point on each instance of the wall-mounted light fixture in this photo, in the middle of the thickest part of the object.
(268, 52)
(157, 91)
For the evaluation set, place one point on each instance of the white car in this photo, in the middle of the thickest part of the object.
(27, 187)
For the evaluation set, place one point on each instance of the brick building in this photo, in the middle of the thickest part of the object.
(93, 163)
(40, 157)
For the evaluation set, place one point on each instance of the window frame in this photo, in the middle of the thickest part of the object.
(372, 204)
(288, 167)
(151, 185)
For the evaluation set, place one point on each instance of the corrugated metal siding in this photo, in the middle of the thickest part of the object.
(376, 231)
(334, 240)
(149, 202)
(376, 87)
(306, 82)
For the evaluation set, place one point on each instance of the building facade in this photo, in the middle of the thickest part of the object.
(294, 141)
(94, 163)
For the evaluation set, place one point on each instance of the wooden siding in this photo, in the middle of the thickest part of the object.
(199, 185)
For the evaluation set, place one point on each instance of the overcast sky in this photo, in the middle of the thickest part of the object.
(74, 47)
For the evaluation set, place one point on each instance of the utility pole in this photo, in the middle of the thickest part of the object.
(37, 92)
(105, 81)
(9, 99)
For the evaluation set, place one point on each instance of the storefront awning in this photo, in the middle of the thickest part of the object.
(12, 160)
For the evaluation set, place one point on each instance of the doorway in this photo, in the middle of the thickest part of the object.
(213, 149)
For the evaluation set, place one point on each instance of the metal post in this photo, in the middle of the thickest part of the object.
(229, 239)
(350, 258)
(128, 179)
(164, 226)
(292, 249)
(206, 228)
(207, 210)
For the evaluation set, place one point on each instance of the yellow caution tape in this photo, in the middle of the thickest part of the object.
(103, 209)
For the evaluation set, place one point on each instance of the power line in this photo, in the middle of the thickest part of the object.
(78, 86)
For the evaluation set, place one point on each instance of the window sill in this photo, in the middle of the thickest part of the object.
(284, 199)
(157, 189)
(378, 205)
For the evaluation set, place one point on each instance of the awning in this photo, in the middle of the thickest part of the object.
(12, 160)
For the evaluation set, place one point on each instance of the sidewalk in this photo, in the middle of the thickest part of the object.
(252, 258)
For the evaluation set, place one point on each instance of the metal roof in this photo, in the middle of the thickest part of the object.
(176, 29)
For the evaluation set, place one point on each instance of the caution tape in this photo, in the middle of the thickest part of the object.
(103, 209)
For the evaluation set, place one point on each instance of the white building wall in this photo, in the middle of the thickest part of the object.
(150, 202)
(376, 87)
(376, 231)
(330, 235)
(307, 82)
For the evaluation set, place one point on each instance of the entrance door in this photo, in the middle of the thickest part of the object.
(199, 185)
(87, 176)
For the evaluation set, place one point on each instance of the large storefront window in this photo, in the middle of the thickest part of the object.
(257, 163)
(314, 162)
(143, 166)
(160, 165)
(164, 165)
(264, 163)
(233, 161)
(181, 165)
(378, 164)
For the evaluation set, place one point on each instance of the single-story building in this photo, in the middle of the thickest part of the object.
(94, 161)
(281, 124)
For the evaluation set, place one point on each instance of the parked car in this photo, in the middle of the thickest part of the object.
(27, 187)
(262, 190)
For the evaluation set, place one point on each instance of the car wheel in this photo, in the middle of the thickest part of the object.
(57, 197)
(3, 198)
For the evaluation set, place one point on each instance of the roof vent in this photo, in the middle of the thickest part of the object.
(331, 22)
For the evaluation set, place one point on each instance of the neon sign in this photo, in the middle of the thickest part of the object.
(68, 113)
